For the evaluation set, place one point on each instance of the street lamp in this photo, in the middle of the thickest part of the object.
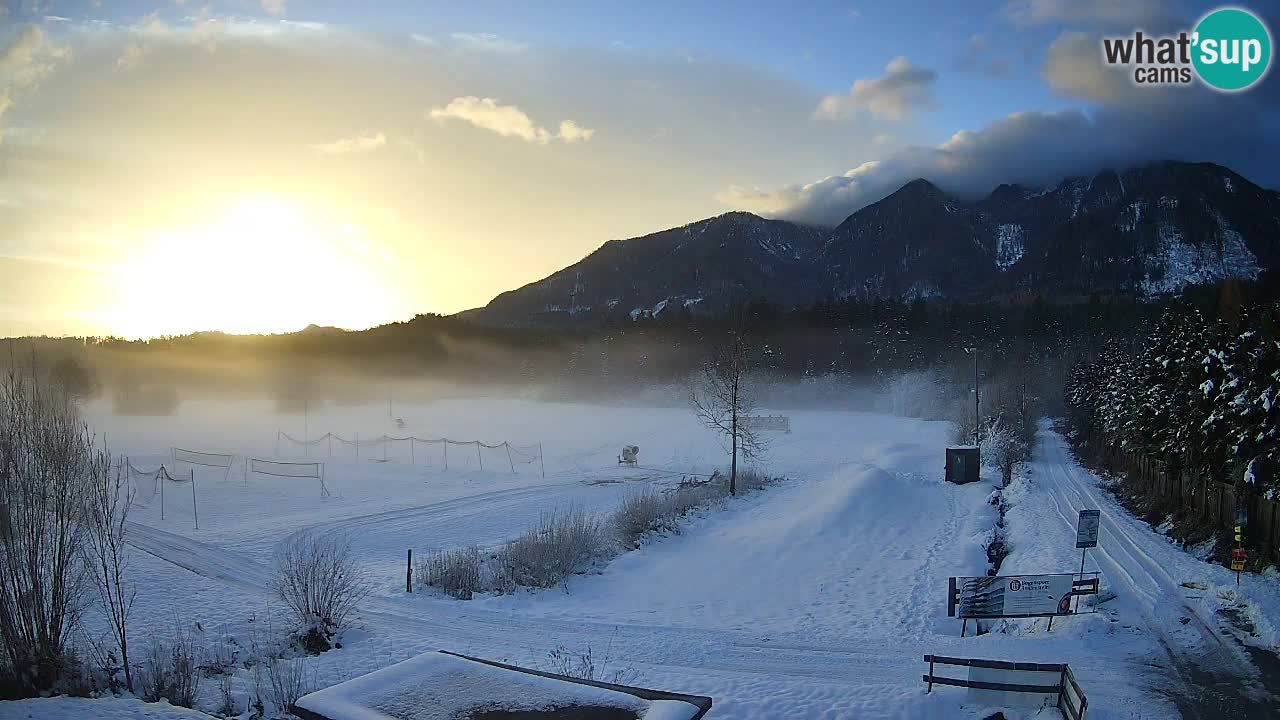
(977, 425)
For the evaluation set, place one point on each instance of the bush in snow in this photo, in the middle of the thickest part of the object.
(644, 512)
(288, 682)
(563, 543)
(585, 665)
(317, 577)
(170, 669)
(1003, 447)
(458, 572)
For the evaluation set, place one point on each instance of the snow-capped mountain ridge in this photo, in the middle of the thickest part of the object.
(1145, 232)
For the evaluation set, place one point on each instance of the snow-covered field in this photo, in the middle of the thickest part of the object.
(815, 598)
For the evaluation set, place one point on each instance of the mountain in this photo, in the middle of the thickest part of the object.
(703, 266)
(1144, 232)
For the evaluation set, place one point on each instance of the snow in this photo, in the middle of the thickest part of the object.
(67, 708)
(1010, 245)
(814, 598)
(434, 686)
(1178, 263)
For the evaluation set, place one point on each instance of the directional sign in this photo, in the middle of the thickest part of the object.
(1087, 529)
(1238, 556)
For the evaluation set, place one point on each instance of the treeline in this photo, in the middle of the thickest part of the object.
(859, 340)
(1197, 393)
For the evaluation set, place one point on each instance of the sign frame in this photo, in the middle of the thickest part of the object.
(1081, 584)
(1087, 526)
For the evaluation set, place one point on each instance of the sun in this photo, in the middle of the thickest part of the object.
(258, 264)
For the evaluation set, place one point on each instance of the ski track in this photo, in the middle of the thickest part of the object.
(1121, 555)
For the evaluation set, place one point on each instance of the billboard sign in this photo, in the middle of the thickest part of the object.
(1012, 596)
(1087, 529)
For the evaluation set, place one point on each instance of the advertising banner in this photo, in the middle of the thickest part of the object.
(1014, 596)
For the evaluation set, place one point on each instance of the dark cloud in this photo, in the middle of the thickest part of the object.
(1122, 125)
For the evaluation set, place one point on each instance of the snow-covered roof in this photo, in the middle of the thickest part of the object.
(440, 686)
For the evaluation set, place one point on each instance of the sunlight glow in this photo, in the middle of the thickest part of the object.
(259, 265)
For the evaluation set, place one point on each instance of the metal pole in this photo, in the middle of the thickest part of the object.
(478, 458)
(160, 479)
(1075, 605)
(540, 463)
(194, 512)
(413, 460)
(977, 437)
(408, 573)
(507, 445)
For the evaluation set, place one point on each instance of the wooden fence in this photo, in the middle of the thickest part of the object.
(1206, 499)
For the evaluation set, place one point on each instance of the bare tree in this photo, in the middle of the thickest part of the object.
(722, 398)
(110, 499)
(47, 465)
(318, 578)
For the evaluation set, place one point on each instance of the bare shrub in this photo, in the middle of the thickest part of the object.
(317, 577)
(227, 705)
(48, 463)
(751, 479)
(586, 665)
(170, 669)
(288, 680)
(110, 498)
(642, 513)
(458, 572)
(562, 544)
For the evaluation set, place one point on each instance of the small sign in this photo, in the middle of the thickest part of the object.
(1238, 557)
(1087, 528)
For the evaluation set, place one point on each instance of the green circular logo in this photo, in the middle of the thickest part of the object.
(1232, 49)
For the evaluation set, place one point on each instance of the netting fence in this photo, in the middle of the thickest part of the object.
(156, 480)
(204, 459)
(415, 450)
(277, 468)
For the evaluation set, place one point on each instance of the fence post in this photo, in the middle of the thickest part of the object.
(408, 573)
(507, 445)
(446, 454)
(478, 457)
(541, 464)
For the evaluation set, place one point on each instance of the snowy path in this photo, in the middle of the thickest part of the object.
(1129, 553)
(1157, 621)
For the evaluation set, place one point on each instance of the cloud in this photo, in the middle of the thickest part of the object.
(979, 56)
(1130, 14)
(1041, 149)
(359, 143)
(895, 95)
(487, 42)
(572, 132)
(28, 59)
(1074, 68)
(275, 8)
(506, 120)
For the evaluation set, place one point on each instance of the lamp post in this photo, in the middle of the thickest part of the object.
(977, 425)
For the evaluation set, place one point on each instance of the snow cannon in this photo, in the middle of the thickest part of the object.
(629, 453)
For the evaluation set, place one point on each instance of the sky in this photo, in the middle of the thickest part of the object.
(258, 166)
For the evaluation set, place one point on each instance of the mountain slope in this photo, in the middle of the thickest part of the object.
(703, 265)
(1144, 232)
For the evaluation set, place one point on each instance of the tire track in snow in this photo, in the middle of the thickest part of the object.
(1143, 578)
